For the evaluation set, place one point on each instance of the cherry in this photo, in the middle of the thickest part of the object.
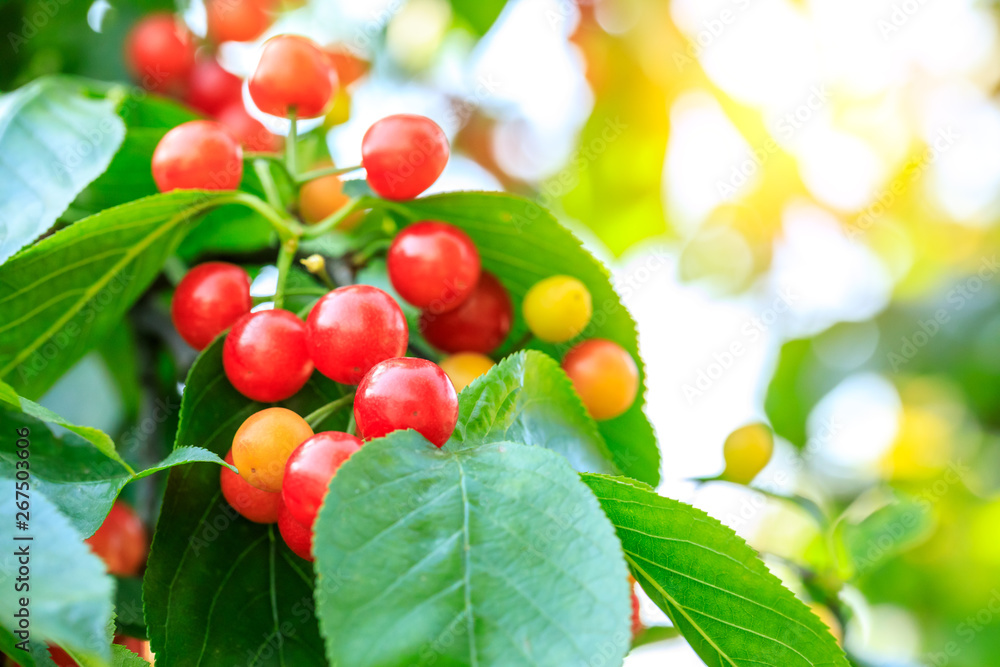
(406, 393)
(293, 75)
(264, 442)
(61, 657)
(200, 155)
(159, 52)
(479, 324)
(138, 646)
(604, 375)
(265, 355)
(252, 503)
(637, 625)
(464, 367)
(309, 470)
(349, 66)
(212, 88)
(208, 300)
(322, 197)
(353, 328)
(433, 265)
(121, 541)
(403, 155)
(747, 451)
(238, 20)
(298, 537)
(557, 308)
(248, 130)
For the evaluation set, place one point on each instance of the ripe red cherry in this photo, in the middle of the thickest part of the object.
(433, 265)
(293, 75)
(238, 20)
(159, 52)
(248, 130)
(403, 155)
(252, 503)
(265, 355)
(121, 541)
(198, 155)
(211, 88)
(479, 324)
(309, 471)
(353, 328)
(298, 537)
(406, 393)
(208, 300)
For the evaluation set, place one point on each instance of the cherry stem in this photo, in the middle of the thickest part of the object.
(352, 425)
(316, 417)
(325, 171)
(334, 219)
(290, 146)
(362, 256)
(285, 256)
(263, 170)
(286, 227)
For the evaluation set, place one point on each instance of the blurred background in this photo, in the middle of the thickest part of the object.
(798, 200)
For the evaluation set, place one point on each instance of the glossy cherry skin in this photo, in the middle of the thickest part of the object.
(209, 300)
(403, 155)
(293, 75)
(198, 155)
(298, 537)
(353, 328)
(247, 130)
(433, 265)
(264, 442)
(309, 471)
(211, 88)
(604, 375)
(406, 393)
(159, 52)
(121, 541)
(238, 20)
(479, 324)
(252, 503)
(265, 355)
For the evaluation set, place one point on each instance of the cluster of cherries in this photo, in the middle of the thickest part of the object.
(165, 57)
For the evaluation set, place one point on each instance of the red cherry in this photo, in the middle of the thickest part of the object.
(211, 88)
(433, 265)
(121, 541)
(637, 625)
(353, 328)
(479, 324)
(405, 393)
(349, 66)
(293, 74)
(265, 355)
(198, 155)
(61, 657)
(159, 52)
(208, 300)
(309, 470)
(248, 130)
(252, 503)
(403, 155)
(238, 20)
(298, 537)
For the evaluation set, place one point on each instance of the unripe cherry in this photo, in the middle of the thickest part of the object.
(604, 375)
(264, 442)
(251, 503)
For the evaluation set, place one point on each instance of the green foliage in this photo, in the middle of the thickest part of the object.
(522, 243)
(63, 140)
(491, 554)
(713, 587)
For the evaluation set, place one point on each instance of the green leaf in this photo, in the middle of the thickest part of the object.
(63, 295)
(122, 657)
(522, 243)
(655, 634)
(714, 588)
(527, 398)
(128, 608)
(80, 479)
(478, 16)
(54, 141)
(70, 596)
(219, 589)
(493, 555)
